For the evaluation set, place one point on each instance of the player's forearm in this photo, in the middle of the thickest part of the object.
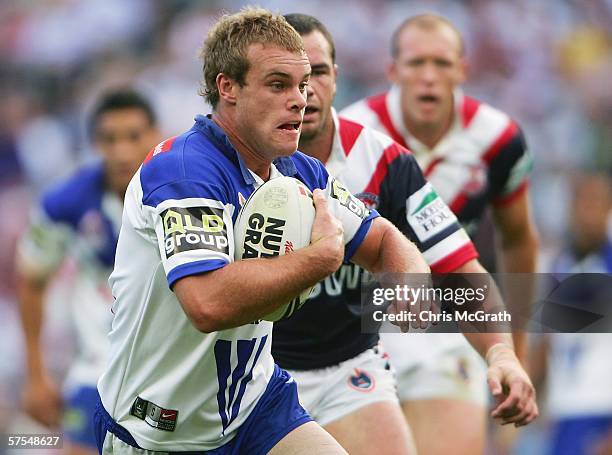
(245, 291)
(520, 251)
(379, 251)
(519, 255)
(30, 294)
(483, 342)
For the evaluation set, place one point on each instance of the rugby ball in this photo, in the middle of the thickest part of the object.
(275, 220)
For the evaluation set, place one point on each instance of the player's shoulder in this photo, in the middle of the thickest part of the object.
(71, 198)
(363, 141)
(192, 156)
(366, 110)
(478, 114)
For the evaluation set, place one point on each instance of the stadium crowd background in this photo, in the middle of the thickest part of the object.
(548, 63)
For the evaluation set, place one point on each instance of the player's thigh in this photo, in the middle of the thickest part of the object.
(330, 394)
(444, 399)
(307, 439)
(375, 428)
(446, 426)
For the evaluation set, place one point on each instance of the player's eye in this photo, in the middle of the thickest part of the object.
(303, 86)
(134, 136)
(105, 138)
(277, 85)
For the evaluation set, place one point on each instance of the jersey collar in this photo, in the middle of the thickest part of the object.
(337, 158)
(205, 124)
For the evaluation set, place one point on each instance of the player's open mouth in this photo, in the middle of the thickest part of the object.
(428, 99)
(290, 126)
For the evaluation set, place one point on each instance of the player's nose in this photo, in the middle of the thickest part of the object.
(297, 100)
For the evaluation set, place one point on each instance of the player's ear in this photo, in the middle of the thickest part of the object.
(335, 71)
(463, 69)
(227, 88)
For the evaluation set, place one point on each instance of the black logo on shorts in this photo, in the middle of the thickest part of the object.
(194, 228)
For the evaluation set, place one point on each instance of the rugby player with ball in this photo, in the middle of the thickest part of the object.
(190, 366)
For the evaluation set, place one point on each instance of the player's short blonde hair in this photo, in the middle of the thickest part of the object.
(427, 22)
(226, 46)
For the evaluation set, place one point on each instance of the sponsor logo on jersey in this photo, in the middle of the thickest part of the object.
(194, 228)
(346, 199)
(160, 148)
(477, 181)
(154, 415)
(427, 214)
(361, 381)
(263, 237)
(92, 229)
(347, 277)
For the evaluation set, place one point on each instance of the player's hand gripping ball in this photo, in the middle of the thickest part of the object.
(276, 219)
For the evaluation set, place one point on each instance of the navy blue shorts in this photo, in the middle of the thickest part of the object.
(577, 436)
(79, 407)
(277, 413)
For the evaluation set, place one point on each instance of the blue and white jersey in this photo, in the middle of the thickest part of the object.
(580, 364)
(80, 219)
(170, 386)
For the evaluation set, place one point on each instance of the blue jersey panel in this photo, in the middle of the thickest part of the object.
(78, 201)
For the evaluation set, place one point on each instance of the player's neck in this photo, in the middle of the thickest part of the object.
(430, 134)
(252, 160)
(319, 146)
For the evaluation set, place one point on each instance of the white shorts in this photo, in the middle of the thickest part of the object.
(113, 445)
(328, 394)
(436, 366)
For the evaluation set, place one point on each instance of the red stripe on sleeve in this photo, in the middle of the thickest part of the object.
(382, 167)
(468, 110)
(456, 259)
(501, 141)
(378, 104)
(458, 203)
(349, 132)
(510, 198)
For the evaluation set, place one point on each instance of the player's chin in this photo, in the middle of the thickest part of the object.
(286, 144)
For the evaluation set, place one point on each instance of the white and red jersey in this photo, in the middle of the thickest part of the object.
(385, 176)
(482, 159)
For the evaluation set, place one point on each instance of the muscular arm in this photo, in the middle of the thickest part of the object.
(519, 242)
(482, 342)
(386, 249)
(245, 291)
(507, 380)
